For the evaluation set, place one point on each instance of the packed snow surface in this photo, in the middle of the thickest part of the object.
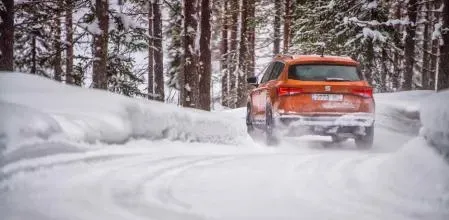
(71, 153)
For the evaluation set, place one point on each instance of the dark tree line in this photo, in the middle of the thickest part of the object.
(131, 47)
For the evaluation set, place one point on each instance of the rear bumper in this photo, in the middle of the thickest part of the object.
(359, 119)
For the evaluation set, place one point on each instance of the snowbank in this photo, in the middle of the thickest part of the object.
(400, 111)
(435, 120)
(430, 172)
(407, 102)
(36, 107)
(20, 122)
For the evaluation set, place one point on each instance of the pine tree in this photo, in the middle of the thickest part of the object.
(34, 50)
(57, 62)
(205, 57)
(435, 21)
(158, 53)
(443, 69)
(277, 27)
(69, 42)
(99, 78)
(189, 82)
(251, 37)
(175, 48)
(224, 52)
(288, 7)
(412, 8)
(233, 56)
(6, 35)
(150, 51)
(425, 71)
(125, 39)
(243, 56)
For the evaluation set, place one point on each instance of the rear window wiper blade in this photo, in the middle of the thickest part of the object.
(336, 79)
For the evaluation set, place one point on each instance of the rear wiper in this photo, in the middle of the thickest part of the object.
(336, 79)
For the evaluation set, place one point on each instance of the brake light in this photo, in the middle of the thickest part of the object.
(364, 92)
(284, 91)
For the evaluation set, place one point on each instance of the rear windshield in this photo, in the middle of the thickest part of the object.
(323, 73)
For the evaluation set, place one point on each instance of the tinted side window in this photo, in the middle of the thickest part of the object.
(267, 73)
(277, 70)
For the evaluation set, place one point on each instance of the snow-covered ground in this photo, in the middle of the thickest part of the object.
(71, 153)
(35, 107)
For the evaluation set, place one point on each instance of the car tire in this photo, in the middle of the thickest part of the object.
(249, 122)
(336, 139)
(365, 141)
(270, 132)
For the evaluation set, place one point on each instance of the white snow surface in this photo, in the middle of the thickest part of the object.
(71, 153)
(434, 114)
(37, 107)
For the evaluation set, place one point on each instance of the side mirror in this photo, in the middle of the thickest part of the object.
(252, 81)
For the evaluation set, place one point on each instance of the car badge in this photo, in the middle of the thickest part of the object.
(327, 88)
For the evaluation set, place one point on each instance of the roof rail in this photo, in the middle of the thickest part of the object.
(284, 56)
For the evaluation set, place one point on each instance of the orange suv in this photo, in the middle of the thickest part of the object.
(312, 94)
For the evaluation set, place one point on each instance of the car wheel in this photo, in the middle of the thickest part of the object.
(249, 121)
(271, 139)
(336, 139)
(366, 141)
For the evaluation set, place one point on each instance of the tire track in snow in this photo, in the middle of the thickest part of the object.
(344, 185)
(282, 184)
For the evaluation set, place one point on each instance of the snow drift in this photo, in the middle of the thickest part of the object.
(400, 111)
(418, 171)
(37, 107)
(434, 115)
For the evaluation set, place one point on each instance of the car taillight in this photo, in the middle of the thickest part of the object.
(364, 92)
(284, 91)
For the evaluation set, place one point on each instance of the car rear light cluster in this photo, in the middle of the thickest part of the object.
(364, 92)
(285, 91)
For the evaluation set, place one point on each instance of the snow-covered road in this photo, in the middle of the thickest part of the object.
(299, 180)
(52, 168)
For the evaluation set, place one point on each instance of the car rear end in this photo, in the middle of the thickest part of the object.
(326, 99)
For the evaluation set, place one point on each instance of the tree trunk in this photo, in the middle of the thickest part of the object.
(233, 64)
(277, 27)
(189, 86)
(7, 36)
(435, 47)
(69, 43)
(150, 52)
(33, 53)
(57, 43)
(410, 45)
(243, 57)
(397, 54)
(443, 69)
(224, 55)
(369, 61)
(251, 38)
(100, 78)
(426, 55)
(384, 66)
(287, 24)
(158, 53)
(205, 56)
